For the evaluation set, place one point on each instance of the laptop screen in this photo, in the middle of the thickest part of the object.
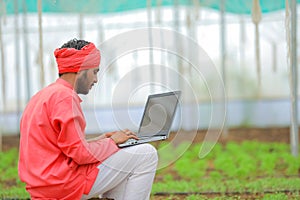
(158, 114)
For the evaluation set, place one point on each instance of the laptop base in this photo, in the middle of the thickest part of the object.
(141, 141)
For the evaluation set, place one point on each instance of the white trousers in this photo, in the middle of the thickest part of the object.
(127, 174)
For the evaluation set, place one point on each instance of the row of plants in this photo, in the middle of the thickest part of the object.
(275, 196)
(249, 167)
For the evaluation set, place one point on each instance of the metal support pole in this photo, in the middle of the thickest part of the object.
(149, 14)
(223, 55)
(294, 137)
(242, 42)
(178, 43)
(17, 62)
(26, 52)
(80, 26)
(3, 77)
(41, 62)
(3, 84)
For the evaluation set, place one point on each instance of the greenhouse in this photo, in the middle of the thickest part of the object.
(235, 130)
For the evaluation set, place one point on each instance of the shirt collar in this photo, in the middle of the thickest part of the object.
(68, 85)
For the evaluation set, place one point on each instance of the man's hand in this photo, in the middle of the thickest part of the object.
(121, 136)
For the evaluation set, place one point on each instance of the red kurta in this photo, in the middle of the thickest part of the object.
(56, 162)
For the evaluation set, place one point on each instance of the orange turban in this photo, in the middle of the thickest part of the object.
(73, 60)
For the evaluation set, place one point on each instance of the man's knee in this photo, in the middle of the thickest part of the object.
(149, 154)
(152, 152)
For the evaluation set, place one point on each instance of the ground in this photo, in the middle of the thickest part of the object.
(234, 134)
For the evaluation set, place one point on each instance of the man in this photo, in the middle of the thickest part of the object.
(56, 161)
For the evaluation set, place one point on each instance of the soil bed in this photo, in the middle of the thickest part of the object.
(236, 134)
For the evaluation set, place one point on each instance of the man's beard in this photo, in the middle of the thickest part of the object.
(82, 86)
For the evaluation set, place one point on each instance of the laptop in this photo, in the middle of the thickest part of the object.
(157, 119)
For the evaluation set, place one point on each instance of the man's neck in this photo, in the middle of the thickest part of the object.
(69, 77)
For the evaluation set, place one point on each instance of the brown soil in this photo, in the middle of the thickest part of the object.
(257, 134)
(236, 134)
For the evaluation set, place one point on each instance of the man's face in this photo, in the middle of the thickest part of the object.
(86, 80)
